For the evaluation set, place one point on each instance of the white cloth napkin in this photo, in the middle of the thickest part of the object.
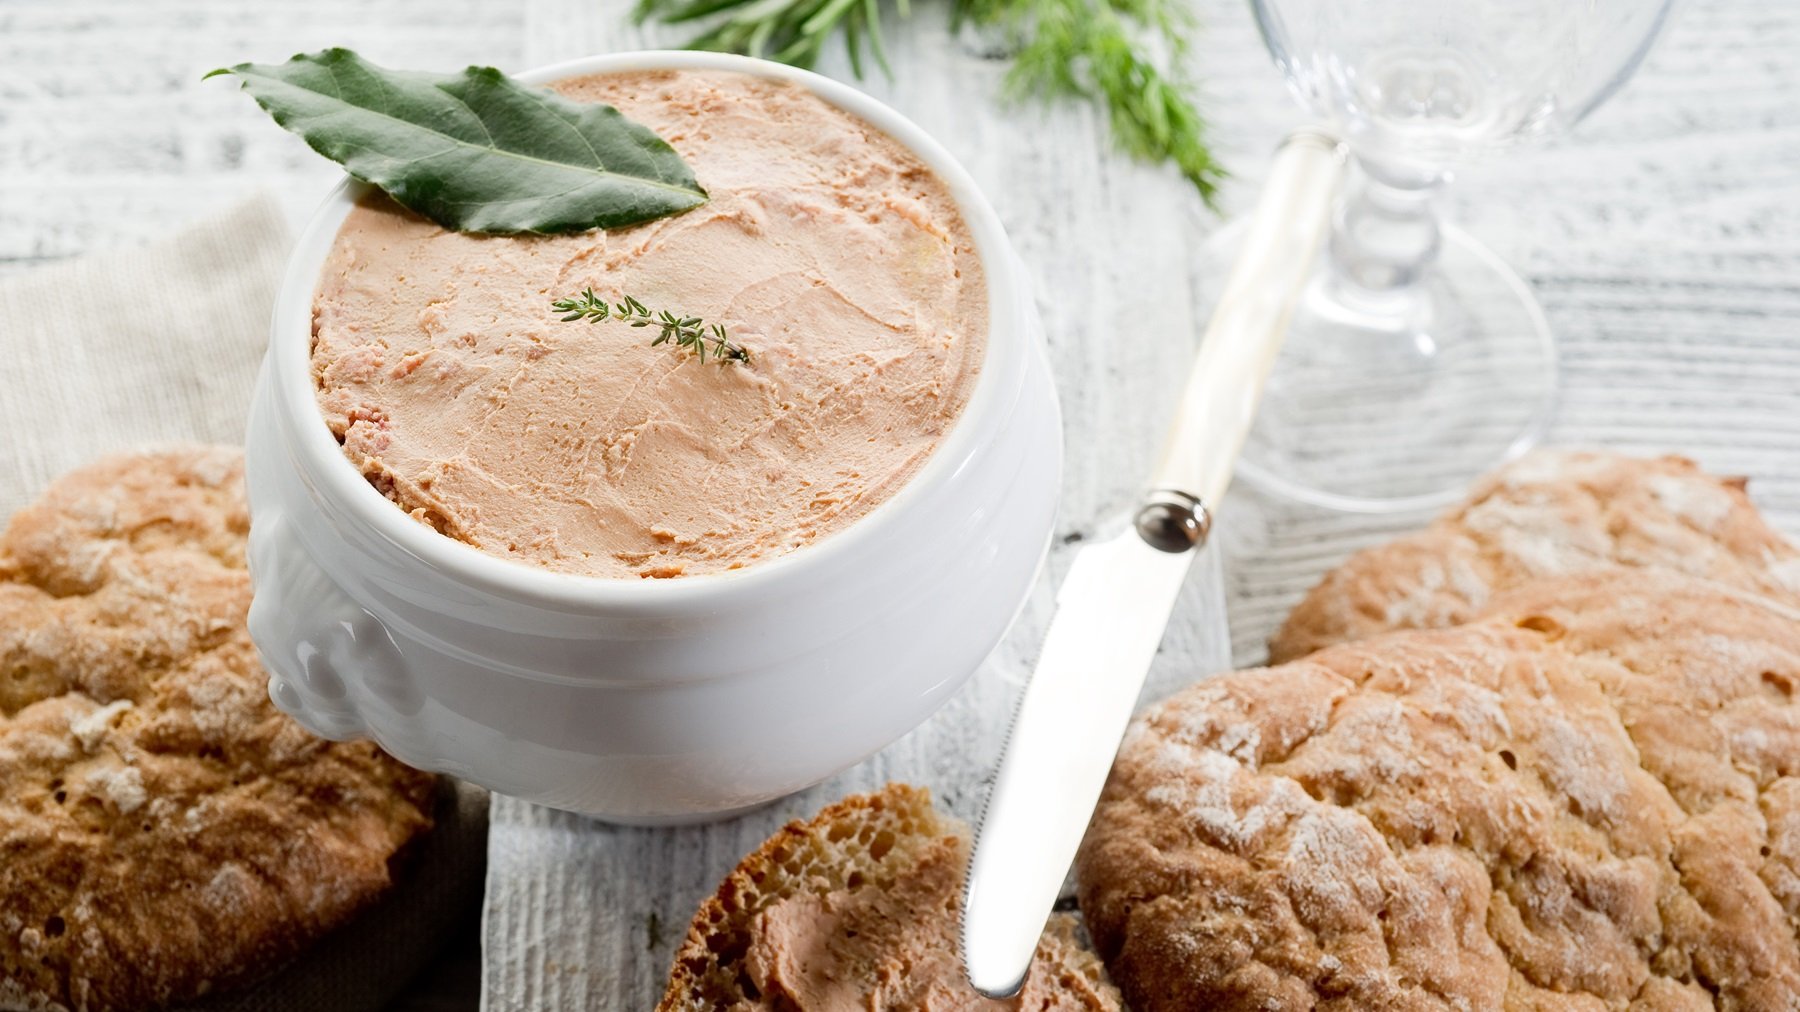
(134, 347)
(161, 344)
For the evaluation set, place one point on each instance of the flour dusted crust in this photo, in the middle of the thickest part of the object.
(1550, 514)
(164, 831)
(1587, 798)
(858, 909)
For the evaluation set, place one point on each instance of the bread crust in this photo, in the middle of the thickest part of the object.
(880, 842)
(164, 831)
(1551, 514)
(1587, 798)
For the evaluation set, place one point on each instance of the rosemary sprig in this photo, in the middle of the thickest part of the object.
(689, 332)
(1099, 51)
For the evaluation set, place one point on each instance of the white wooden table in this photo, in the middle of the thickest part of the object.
(1112, 276)
(1664, 240)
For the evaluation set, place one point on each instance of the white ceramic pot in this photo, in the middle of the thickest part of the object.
(649, 700)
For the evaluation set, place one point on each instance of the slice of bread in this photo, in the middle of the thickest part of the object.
(860, 908)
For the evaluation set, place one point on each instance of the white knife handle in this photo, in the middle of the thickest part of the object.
(1112, 607)
(1280, 245)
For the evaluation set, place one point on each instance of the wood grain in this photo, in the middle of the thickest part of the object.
(108, 134)
(1663, 238)
(1093, 232)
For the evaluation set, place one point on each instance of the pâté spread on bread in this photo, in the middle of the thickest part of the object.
(860, 907)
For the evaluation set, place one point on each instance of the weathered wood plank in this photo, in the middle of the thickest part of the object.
(108, 134)
(1692, 158)
(1110, 275)
(1663, 238)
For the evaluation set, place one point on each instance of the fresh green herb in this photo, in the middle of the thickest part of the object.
(791, 31)
(475, 151)
(1094, 50)
(1086, 49)
(689, 332)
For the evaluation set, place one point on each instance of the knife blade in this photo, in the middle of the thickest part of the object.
(1115, 603)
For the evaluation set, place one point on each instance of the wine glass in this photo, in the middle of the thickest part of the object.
(1416, 359)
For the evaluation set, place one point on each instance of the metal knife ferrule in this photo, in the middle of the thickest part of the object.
(1170, 520)
(1115, 601)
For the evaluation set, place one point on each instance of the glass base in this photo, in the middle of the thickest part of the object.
(1389, 403)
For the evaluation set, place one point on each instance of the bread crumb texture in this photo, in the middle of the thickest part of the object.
(164, 832)
(859, 909)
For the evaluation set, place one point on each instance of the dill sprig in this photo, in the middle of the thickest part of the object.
(688, 332)
(790, 31)
(1101, 51)
(1089, 49)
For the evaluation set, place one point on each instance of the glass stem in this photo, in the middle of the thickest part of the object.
(1384, 237)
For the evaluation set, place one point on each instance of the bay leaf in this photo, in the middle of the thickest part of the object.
(475, 151)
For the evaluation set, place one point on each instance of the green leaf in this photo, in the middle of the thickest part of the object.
(476, 151)
(873, 13)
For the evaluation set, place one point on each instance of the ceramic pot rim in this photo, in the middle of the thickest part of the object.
(333, 476)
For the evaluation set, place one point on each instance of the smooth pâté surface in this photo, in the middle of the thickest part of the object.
(827, 250)
(164, 831)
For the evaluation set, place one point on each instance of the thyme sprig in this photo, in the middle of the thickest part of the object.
(688, 332)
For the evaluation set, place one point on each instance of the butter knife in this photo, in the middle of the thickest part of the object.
(1114, 604)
